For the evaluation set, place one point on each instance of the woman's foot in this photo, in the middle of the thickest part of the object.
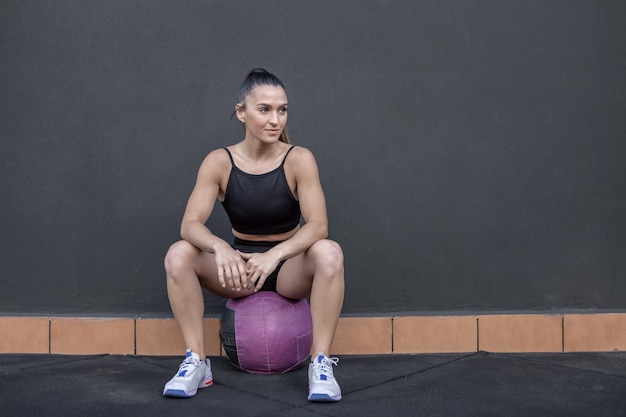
(192, 374)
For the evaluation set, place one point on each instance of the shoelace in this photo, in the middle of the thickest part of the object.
(325, 367)
(189, 364)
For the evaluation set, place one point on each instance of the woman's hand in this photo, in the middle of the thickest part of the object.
(258, 267)
(231, 268)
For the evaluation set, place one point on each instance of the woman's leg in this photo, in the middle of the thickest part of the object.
(318, 272)
(188, 270)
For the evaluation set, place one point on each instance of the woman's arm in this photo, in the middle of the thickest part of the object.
(230, 266)
(201, 203)
(313, 208)
(312, 205)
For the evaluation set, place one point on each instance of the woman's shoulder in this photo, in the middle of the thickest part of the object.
(301, 159)
(300, 152)
(216, 161)
(219, 155)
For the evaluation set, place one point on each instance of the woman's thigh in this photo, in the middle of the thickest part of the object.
(205, 268)
(295, 279)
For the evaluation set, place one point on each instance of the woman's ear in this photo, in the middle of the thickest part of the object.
(239, 111)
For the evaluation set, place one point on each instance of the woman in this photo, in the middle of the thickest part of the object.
(265, 185)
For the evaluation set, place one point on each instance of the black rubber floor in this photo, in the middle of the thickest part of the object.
(477, 384)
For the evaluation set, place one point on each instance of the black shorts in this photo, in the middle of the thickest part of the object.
(247, 246)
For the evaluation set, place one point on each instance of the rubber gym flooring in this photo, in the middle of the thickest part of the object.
(475, 384)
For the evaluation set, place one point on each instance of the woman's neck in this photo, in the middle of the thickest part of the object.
(256, 150)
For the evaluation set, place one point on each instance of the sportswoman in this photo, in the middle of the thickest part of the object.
(266, 187)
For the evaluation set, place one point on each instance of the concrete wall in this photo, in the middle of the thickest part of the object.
(472, 152)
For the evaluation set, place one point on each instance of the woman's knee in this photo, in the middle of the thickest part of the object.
(327, 255)
(179, 257)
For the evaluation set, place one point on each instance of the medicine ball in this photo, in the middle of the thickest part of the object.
(265, 333)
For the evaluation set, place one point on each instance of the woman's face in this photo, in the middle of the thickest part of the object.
(264, 113)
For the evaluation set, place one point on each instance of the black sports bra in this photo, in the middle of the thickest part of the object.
(260, 204)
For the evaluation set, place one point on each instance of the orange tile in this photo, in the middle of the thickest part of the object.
(438, 334)
(162, 337)
(24, 334)
(362, 335)
(86, 336)
(520, 333)
(355, 335)
(594, 332)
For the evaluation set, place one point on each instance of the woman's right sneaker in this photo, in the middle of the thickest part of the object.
(192, 374)
(323, 386)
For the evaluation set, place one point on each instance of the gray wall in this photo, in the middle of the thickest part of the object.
(472, 152)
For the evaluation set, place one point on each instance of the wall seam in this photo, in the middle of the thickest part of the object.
(393, 334)
(477, 334)
(562, 333)
(49, 335)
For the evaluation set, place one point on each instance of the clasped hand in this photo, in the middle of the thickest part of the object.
(239, 270)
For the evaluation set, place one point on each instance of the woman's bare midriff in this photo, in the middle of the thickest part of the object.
(266, 238)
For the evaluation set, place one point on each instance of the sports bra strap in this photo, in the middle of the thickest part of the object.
(232, 161)
(285, 158)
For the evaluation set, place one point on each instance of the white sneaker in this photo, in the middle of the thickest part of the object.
(192, 374)
(323, 386)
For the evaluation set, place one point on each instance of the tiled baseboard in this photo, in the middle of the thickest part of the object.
(355, 335)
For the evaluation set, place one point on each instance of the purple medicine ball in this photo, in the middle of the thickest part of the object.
(266, 333)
